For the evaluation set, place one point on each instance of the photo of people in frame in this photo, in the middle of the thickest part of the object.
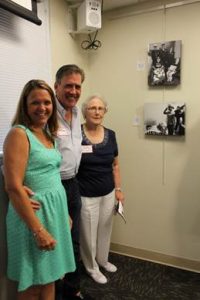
(164, 63)
(164, 119)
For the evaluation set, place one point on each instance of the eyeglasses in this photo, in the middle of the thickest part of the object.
(100, 109)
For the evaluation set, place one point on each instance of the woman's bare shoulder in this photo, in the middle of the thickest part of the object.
(16, 135)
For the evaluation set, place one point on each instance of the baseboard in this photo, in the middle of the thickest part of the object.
(182, 263)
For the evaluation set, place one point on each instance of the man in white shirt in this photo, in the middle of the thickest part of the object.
(67, 86)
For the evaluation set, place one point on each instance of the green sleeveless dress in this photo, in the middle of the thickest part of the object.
(27, 264)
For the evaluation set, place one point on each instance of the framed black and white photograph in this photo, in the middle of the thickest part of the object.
(164, 119)
(164, 61)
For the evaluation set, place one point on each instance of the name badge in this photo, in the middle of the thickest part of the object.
(63, 131)
(87, 149)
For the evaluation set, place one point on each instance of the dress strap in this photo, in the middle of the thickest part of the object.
(20, 126)
(28, 132)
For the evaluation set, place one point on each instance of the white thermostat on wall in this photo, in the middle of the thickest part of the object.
(89, 16)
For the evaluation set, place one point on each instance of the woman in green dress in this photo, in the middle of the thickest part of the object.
(39, 241)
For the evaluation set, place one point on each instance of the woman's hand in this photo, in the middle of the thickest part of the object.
(44, 240)
(119, 196)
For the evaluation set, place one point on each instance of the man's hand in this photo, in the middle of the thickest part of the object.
(35, 204)
(70, 222)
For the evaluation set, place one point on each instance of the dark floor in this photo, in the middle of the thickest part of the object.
(141, 280)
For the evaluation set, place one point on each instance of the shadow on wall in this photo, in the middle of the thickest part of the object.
(187, 212)
(7, 288)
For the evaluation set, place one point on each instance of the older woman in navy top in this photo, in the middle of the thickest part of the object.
(99, 179)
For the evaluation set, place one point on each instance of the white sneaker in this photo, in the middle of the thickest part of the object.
(98, 277)
(110, 267)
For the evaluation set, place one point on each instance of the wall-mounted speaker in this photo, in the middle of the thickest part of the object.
(89, 16)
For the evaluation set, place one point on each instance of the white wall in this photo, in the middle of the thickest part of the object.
(24, 54)
(160, 176)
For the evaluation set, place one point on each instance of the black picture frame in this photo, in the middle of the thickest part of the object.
(164, 63)
(165, 119)
(21, 11)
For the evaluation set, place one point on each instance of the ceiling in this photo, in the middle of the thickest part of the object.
(109, 4)
(112, 4)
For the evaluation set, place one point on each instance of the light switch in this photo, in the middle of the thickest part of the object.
(136, 121)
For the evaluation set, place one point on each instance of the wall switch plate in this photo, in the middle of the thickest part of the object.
(136, 121)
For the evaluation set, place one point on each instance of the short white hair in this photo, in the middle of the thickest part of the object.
(90, 98)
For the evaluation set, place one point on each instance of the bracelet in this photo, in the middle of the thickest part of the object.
(118, 189)
(35, 233)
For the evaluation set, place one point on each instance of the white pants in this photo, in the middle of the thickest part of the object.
(95, 230)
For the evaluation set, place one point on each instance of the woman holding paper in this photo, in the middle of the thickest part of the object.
(99, 179)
